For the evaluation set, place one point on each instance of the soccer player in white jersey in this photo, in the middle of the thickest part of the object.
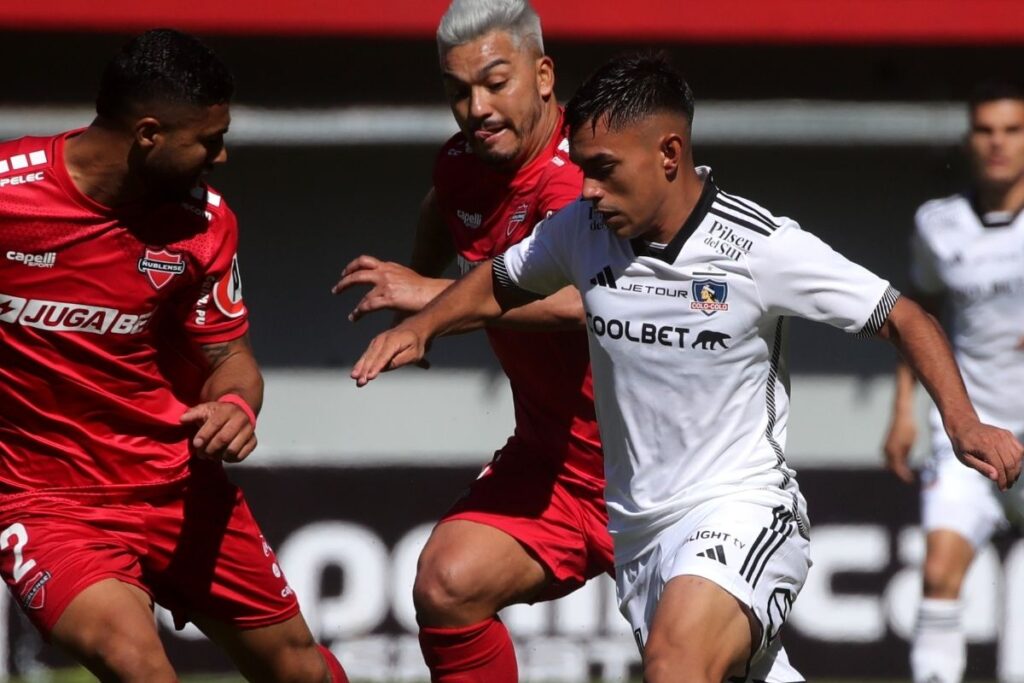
(686, 289)
(968, 258)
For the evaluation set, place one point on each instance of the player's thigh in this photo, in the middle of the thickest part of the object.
(280, 652)
(467, 563)
(109, 627)
(699, 629)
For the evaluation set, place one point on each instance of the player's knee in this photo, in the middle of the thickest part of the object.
(440, 592)
(942, 578)
(449, 590)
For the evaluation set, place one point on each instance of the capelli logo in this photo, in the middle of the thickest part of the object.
(46, 260)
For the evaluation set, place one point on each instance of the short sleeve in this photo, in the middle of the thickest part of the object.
(540, 262)
(797, 274)
(217, 310)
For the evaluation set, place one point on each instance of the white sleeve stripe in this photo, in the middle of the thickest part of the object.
(501, 272)
(881, 313)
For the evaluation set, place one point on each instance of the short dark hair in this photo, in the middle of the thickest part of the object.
(990, 91)
(163, 66)
(627, 89)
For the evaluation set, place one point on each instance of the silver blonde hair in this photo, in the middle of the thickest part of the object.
(467, 20)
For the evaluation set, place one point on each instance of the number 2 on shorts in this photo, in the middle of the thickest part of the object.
(19, 533)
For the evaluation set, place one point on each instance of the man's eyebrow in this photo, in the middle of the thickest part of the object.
(500, 61)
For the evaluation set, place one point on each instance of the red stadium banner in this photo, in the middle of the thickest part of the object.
(765, 21)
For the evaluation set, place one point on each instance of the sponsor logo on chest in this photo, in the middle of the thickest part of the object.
(46, 260)
(161, 266)
(63, 316)
(470, 220)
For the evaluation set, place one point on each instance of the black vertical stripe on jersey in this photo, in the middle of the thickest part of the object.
(611, 276)
(773, 374)
(675, 245)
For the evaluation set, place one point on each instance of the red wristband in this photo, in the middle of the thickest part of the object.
(241, 403)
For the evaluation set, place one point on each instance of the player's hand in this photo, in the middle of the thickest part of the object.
(224, 431)
(994, 452)
(898, 443)
(392, 286)
(1020, 344)
(388, 351)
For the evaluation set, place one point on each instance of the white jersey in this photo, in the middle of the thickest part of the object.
(980, 265)
(687, 346)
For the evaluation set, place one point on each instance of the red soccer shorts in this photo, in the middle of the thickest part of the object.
(565, 526)
(196, 551)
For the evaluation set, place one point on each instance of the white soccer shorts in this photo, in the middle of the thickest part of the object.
(753, 551)
(958, 498)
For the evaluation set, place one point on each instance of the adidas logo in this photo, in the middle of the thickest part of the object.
(716, 553)
(605, 278)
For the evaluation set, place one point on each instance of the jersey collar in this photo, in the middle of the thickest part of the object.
(671, 251)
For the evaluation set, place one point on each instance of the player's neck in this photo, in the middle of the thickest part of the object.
(97, 162)
(678, 206)
(1006, 198)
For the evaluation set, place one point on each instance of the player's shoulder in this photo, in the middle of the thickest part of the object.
(204, 200)
(455, 151)
(28, 154)
(747, 217)
(942, 215)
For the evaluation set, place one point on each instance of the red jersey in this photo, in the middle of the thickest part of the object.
(96, 310)
(488, 210)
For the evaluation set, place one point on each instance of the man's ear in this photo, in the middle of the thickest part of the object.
(545, 77)
(672, 147)
(146, 131)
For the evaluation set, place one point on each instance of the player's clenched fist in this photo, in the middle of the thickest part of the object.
(388, 351)
(994, 452)
(224, 431)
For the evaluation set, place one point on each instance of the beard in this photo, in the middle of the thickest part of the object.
(508, 157)
(166, 186)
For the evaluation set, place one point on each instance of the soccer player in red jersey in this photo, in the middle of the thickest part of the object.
(127, 378)
(533, 526)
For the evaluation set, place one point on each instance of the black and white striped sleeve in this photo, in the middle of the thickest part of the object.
(881, 313)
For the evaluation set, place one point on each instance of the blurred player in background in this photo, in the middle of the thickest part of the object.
(533, 526)
(968, 258)
(686, 289)
(127, 378)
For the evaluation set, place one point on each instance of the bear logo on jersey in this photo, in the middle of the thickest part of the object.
(161, 266)
(227, 292)
(709, 296)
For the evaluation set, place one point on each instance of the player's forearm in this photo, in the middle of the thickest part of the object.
(925, 349)
(903, 402)
(233, 370)
(467, 304)
(563, 310)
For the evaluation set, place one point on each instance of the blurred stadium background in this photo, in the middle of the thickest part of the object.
(845, 115)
